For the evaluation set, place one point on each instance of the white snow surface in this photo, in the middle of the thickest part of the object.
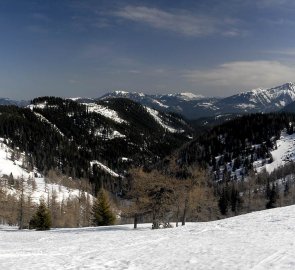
(109, 134)
(155, 115)
(8, 166)
(260, 240)
(104, 111)
(104, 168)
(284, 153)
(280, 95)
(43, 190)
(188, 96)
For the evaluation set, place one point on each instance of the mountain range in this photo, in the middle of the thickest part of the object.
(196, 106)
(98, 140)
(193, 106)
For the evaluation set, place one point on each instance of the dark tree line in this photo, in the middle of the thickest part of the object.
(77, 136)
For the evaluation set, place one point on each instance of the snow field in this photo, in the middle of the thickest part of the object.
(104, 111)
(260, 240)
(155, 115)
(284, 153)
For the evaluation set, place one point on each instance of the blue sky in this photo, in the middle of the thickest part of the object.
(88, 47)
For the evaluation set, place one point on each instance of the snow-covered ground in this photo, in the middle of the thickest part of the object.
(284, 153)
(40, 189)
(106, 112)
(155, 115)
(261, 240)
(104, 168)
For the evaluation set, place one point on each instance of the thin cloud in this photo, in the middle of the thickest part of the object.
(180, 22)
(243, 75)
(284, 52)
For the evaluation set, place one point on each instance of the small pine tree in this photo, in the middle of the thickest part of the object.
(41, 220)
(102, 214)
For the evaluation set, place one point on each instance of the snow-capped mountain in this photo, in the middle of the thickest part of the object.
(194, 106)
(259, 100)
(188, 104)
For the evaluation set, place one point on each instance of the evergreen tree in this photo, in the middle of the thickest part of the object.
(223, 202)
(273, 196)
(41, 220)
(102, 214)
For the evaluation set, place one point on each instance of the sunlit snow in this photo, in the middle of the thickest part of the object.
(261, 240)
(104, 111)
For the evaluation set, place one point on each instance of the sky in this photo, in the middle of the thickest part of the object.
(86, 48)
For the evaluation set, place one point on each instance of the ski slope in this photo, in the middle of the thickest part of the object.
(260, 240)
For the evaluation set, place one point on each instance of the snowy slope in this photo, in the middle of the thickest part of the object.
(104, 168)
(261, 240)
(104, 111)
(260, 100)
(155, 114)
(43, 119)
(42, 189)
(284, 153)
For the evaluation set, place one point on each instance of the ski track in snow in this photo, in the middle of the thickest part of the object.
(261, 240)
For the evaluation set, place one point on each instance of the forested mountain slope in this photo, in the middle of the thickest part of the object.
(230, 150)
(94, 140)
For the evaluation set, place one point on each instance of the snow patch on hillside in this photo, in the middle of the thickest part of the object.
(261, 240)
(155, 115)
(208, 105)
(159, 103)
(40, 189)
(245, 106)
(105, 111)
(284, 153)
(42, 106)
(109, 134)
(188, 96)
(104, 168)
(44, 119)
(9, 164)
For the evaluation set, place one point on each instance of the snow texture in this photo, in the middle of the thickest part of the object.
(109, 134)
(104, 168)
(155, 115)
(104, 111)
(42, 189)
(260, 240)
(284, 153)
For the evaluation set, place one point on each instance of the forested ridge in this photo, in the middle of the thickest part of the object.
(64, 135)
(237, 143)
